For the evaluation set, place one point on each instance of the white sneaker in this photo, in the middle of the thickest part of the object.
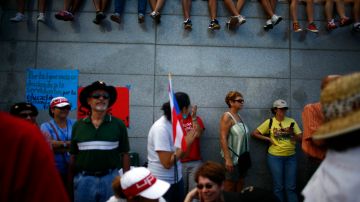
(241, 19)
(268, 25)
(41, 17)
(275, 19)
(18, 17)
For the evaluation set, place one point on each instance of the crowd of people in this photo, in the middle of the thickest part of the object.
(234, 8)
(87, 152)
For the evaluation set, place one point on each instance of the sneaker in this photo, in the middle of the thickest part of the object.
(235, 21)
(115, 17)
(19, 17)
(141, 18)
(241, 19)
(275, 19)
(99, 17)
(155, 16)
(187, 24)
(356, 27)
(268, 25)
(312, 28)
(345, 21)
(214, 25)
(296, 27)
(41, 17)
(232, 22)
(331, 26)
(64, 15)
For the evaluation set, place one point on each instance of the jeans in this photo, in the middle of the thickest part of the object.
(176, 192)
(142, 6)
(283, 171)
(93, 189)
(120, 4)
(188, 172)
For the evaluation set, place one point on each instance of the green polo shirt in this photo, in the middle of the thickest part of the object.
(99, 149)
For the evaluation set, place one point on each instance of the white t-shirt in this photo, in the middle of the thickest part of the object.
(336, 179)
(160, 139)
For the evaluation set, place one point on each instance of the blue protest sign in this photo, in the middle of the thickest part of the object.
(43, 84)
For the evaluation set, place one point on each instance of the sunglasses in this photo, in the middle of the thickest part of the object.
(63, 108)
(25, 115)
(98, 95)
(202, 186)
(240, 101)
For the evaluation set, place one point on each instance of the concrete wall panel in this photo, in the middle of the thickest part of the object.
(17, 55)
(98, 58)
(222, 61)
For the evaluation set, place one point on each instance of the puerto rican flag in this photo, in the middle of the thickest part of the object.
(178, 130)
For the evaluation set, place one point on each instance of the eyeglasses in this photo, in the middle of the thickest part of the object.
(63, 108)
(25, 115)
(202, 186)
(240, 101)
(98, 95)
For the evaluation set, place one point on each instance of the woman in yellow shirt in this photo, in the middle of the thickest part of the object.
(284, 132)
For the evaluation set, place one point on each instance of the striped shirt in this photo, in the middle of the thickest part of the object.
(312, 118)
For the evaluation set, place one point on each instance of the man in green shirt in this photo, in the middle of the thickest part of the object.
(97, 143)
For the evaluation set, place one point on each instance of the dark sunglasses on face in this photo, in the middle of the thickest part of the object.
(98, 95)
(202, 186)
(25, 115)
(240, 101)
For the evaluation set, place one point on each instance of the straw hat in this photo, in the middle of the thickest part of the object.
(340, 101)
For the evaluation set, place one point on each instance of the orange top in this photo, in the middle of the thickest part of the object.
(312, 118)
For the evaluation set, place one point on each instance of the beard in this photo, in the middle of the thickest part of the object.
(101, 107)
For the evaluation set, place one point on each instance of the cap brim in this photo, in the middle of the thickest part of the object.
(156, 190)
(62, 104)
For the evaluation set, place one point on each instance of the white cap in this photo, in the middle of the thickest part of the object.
(59, 102)
(139, 181)
(280, 104)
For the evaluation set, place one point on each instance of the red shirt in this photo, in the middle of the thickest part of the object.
(194, 153)
(312, 118)
(27, 171)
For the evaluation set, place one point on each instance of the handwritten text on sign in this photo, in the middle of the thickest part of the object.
(42, 85)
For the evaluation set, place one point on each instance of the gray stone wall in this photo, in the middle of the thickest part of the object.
(264, 66)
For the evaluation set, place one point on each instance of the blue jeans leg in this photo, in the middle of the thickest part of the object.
(290, 178)
(119, 6)
(142, 6)
(277, 171)
(92, 188)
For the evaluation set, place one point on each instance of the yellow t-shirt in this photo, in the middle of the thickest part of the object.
(280, 134)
